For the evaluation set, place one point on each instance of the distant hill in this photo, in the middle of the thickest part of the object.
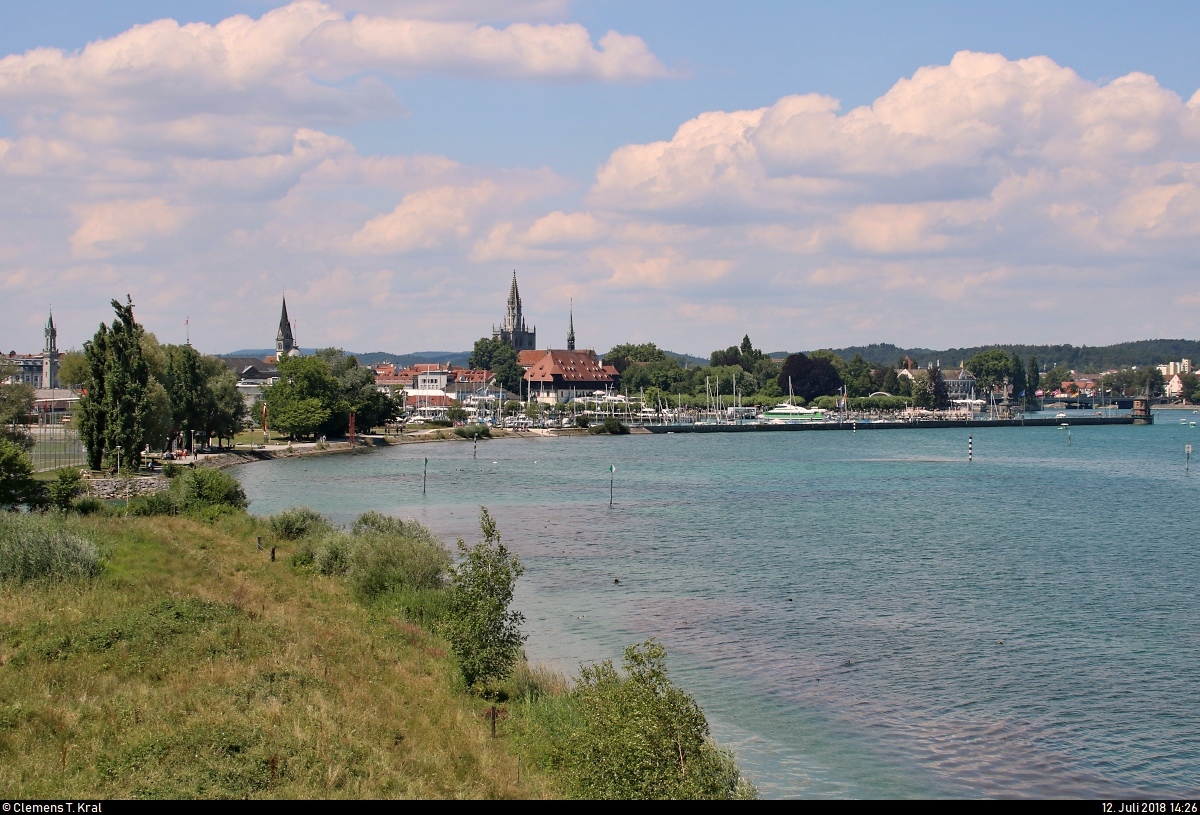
(372, 357)
(1082, 358)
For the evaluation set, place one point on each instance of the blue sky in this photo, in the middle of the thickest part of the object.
(424, 177)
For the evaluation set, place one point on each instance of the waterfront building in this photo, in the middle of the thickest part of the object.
(961, 384)
(560, 376)
(513, 330)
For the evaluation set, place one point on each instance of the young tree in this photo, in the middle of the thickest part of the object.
(72, 370)
(187, 390)
(484, 633)
(922, 393)
(456, 413)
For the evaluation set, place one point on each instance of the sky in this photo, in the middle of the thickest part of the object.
(812, 174)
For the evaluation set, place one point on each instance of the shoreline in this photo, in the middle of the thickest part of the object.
(238, 457)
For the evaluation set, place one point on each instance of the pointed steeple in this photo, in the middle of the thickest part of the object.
(285, 342)
(571, 328)
(51, 335)
(513, 330)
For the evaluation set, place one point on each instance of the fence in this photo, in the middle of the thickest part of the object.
(56, 446)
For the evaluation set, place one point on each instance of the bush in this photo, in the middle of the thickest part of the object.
(473, 431)
(826, 402)
(581, 422)
(614, 427)
(87, 505)
(63, 489)
(157, 503)
(204, 486)
(294, 523)
(39, 548)
(641, 736)
(381, 563)
(170, 469)
(17, 485)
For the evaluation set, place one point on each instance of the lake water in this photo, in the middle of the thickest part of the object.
(860, 614)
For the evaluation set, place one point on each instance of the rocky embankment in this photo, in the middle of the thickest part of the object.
(107, 488)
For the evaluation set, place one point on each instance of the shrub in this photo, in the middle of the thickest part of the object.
(170, 469)
(39, 548)
(581, 422)
(825, 402)
(331, 554)
(88, 505)
(614, 427)
(438, 423)
(17, 485)
(63, 489)
(641, 736)
(157, 503)
(294, 523)
(473, 431)
(204, 486)
(381, 563)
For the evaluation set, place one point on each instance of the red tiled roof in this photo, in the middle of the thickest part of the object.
(528, 358)
(570, 368)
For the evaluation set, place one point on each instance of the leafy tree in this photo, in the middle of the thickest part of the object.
(642, 737)
(990, 367)
(72, 369)
(937, 389)
(922, 393)
(304, 398)
(1033, 377)
(533, 410)
(187, 390)
(226, 407)
(859, 379)
(840, 365)
(1191, 385)
(809, 377)
(512, 407)
(483, 356)
(620, 356)
(357, 394)
(483, 632)
(1149, 381)
(456, 413)
(1053, 378)
(16, 402)
(159, 422)
(891, 382)
(17, 485)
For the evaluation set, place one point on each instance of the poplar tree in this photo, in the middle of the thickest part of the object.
(1017, 377)
(92, 416)
(1033, 376)
(126, 398)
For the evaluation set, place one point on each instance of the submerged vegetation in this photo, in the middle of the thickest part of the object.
(155, 650)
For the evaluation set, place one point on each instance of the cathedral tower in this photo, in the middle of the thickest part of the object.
(513, 330)
(571, 328)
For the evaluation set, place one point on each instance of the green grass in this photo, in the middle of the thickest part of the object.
(196, 667)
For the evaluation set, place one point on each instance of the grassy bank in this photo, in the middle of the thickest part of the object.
(175, 646)
(193, 666)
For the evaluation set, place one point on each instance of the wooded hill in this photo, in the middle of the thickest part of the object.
(1082, 358)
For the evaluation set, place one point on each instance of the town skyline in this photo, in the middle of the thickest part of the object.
(820, 178)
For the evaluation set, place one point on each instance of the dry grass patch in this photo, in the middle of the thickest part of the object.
(195, 667)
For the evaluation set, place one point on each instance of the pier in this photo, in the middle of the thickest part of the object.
(916, 424)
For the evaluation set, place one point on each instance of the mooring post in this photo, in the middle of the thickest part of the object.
(272, 554)
(970, 449)
(258, 543)
(492, 716)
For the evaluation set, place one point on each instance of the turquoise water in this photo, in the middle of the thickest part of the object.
(860, 614)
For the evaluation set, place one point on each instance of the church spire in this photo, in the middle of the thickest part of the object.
(571, 328)
(285, 342)
(51, 334)
(513, 330)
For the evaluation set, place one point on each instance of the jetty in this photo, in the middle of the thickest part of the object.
(883, 424)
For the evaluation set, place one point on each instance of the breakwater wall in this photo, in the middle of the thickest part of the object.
(109, 488)
(920, 424)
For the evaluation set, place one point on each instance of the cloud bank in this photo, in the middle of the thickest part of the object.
(988, 199)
